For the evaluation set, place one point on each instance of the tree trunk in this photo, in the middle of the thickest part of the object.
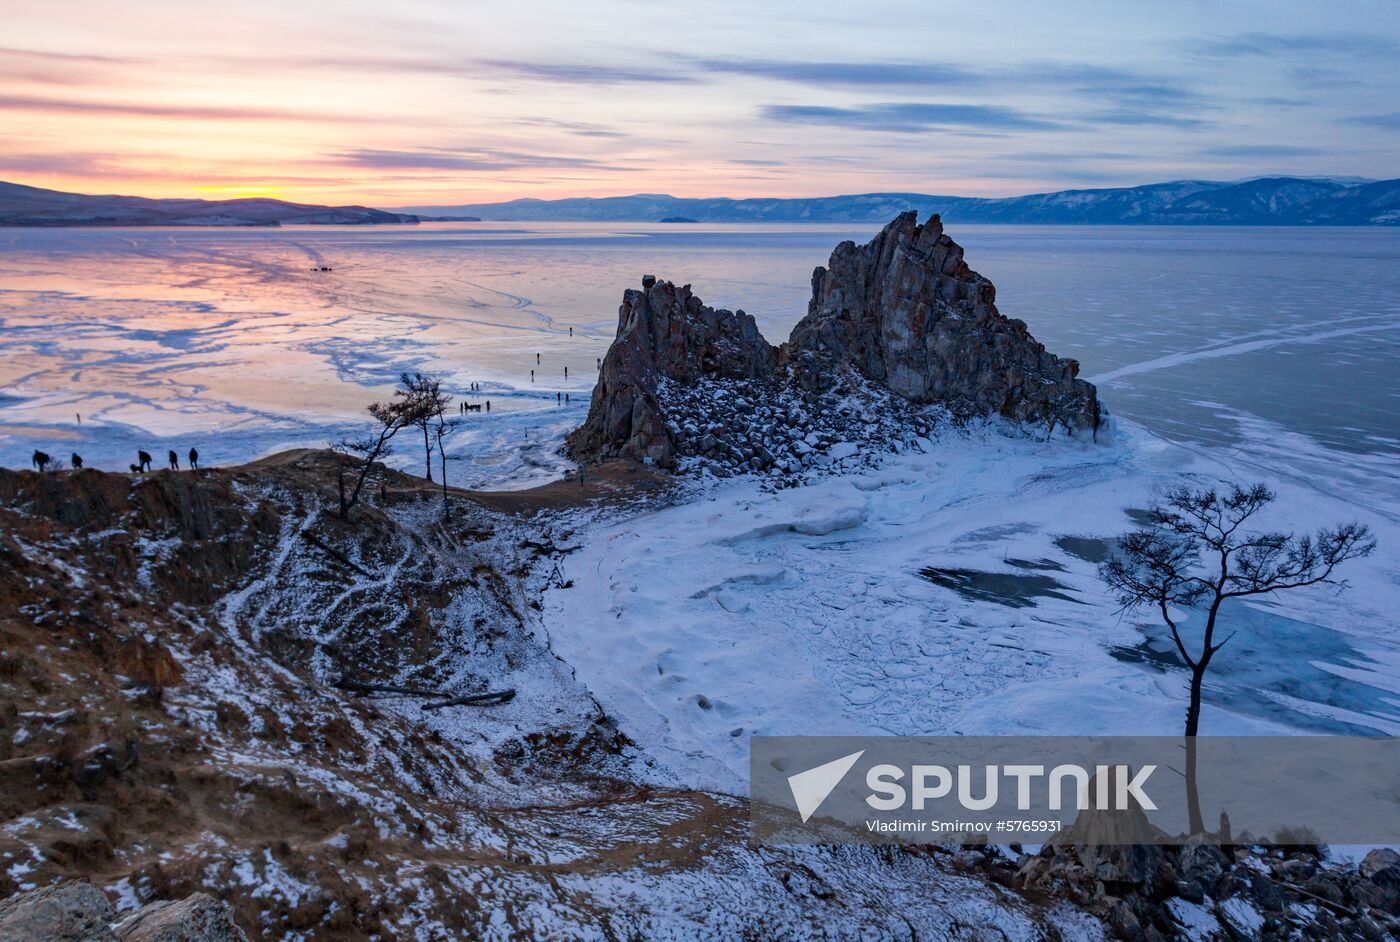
(446, 507)
(427, 456)
(1193, 722)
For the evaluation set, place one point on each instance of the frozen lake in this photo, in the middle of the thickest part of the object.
(227, 339)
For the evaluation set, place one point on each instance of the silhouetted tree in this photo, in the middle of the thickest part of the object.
(1195, 554)
(444, 428)
(390, 419)
(428, 403)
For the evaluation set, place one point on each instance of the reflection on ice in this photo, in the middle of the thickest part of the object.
(1012, 589)
(1322, 680)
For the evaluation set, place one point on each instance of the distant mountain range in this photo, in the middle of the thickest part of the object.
(1268, 201)
(30, 206)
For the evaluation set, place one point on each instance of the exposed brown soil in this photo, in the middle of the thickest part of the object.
(169, 723)
(607, 483)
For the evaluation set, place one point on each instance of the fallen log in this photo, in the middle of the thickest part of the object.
(358, 686)
(443, 698)
(476, 699)
(334, 554)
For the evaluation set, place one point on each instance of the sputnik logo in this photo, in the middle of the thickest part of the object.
(811, 788)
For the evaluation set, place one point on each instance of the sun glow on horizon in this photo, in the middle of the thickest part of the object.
(348, 102)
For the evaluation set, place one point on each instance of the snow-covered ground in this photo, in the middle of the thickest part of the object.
(949, 592)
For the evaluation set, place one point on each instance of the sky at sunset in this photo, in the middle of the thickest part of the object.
(418, 102)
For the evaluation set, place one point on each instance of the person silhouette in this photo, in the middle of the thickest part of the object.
(532, 376)
(174, 460)
(558, 397)
(488, 405)
(143, 461)
(77, 461)
(566, 372)
(40, 460)
(194, 460)
(537, 359)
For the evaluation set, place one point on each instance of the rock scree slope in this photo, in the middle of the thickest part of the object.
(902, 315)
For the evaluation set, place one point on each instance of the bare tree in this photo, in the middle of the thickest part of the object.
(417, 401)
(1195, 554)
(390, 418)
(426, 405)
(444, 428)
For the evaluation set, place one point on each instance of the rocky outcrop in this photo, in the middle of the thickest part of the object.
(79, 912)
(902, 323)
(663, 333)
(907, 312)
(1202, 890)
(66, 912)
(197, 918)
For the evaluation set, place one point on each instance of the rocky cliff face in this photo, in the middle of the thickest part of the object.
(902, 316)
(906, 311)
(663, 333)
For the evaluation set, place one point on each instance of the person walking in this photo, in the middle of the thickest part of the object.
(194, 460)
(174, 460)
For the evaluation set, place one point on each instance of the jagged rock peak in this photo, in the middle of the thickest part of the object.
(902, 317)
(663, 333)
(907, 312)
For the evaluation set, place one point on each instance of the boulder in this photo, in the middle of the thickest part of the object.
(79, 912)
(1381, 865)
(197, 918)
(65, 912)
